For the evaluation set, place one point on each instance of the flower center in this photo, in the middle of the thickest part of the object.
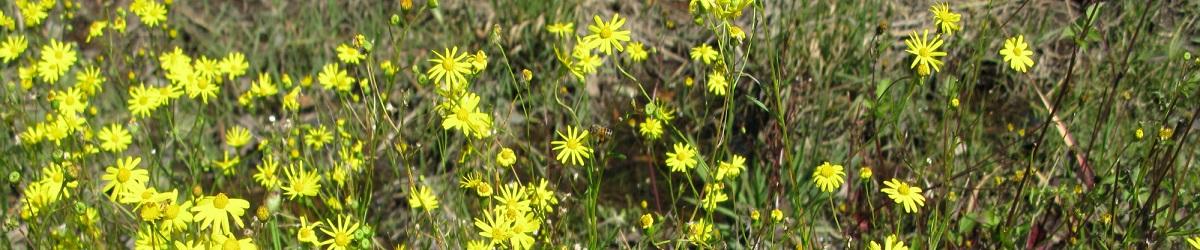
(606, 33)
(826, 171)
(231, 244)
(902, 189)
(1017, 51)
(342, 240)
(924, 52)
(220, 201)
(448, 64)
(171, 211)
(123, 175)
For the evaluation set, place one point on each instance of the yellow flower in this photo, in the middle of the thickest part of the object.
(683, 158)
(264, 87)
(479, 61)
(713, 196)
(96, 30)
(637, 51)
(450, 68)
(143, 100)
(301, 182)
(340, 234)
(1017, 54)
(925, 52)
(146, 196)
(731, 168)
(892, 243)
(349, 55)
(57, 58)
(227, 164)
(229, 242)
(68, 102)
(541, 196)
(176, 217)
(572, 149)
(234, 65)
(608, 35)
(89, 80)
(291, 101)
(318, 137)
(946, 20)
(1194, 241)
(864, 172)
(651, 128)
(755, 215)
(700, 232)
(149, 11)
(829, 177)
(561, 29)
(12, 47)
(717, 83)
(497, 228)
(506, 157)
(512, 200)
(586, 62)
(307, 232)
(777, 214)
(266, 173)
(114, 138)
(903, 194)
(1165, 133)
(215, 212)
(475, 245)
(1139, 133)
(647, 221)
(237, 136)
(123, 177)
(422, 198)
(466, 117)
(332, 77)
(704, 53)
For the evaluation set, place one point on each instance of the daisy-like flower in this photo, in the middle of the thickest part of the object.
(228, 241)
(333, 77)
(340, 233)
(651, 128)
(829, 176)
(466, 117)
(561, 29)
(176, 217)
(512, 200)
(57, 58)
(318, 137)
(608, 35)
(925, 52)
(266, 173)
(143, 100)
(301, 182)
(349, 55)
(683, 158)
(496, 227)
(114, 138)
(237, 136)
(713, 196)
(946, 20)
(149, 11)
(96, 30)
(12, 47)
(637, 51)
(731, 168)
(717, 83)
(1017, 54)
(700, 232)
(308, 231)
(892, 243)
(572, 149)
(422, 198)
(89, 80)
(704, 53)
(234, 64)
(215, 212)
(865, 173)
(123, 177)
(450, 68)
(479, 61)
(541, 196)
(202, 87)
(903, 194)
(506, 157)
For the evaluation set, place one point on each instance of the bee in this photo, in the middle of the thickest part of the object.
(602, 133)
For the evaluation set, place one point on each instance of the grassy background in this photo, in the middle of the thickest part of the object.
(823, 81)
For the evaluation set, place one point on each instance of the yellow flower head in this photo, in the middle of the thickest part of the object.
(717, 84)
(333, 77)
(682, 158)
(215, 212)
(12, 47)
(349, 55)
(572, 149)
(308, 231)
(237, 136)
(450, 69)
(1017, 54)
(608, 35)
(466, 117)
(731, 168)
(57, 58)
(651, 128)
(506, 157)
(829, 177)
(892, 243)
(903, 194)
(946, 20)
(301, 182)
(704, 53)
(422, 198)
(123, 177)
(561, 29)
(925, 52)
